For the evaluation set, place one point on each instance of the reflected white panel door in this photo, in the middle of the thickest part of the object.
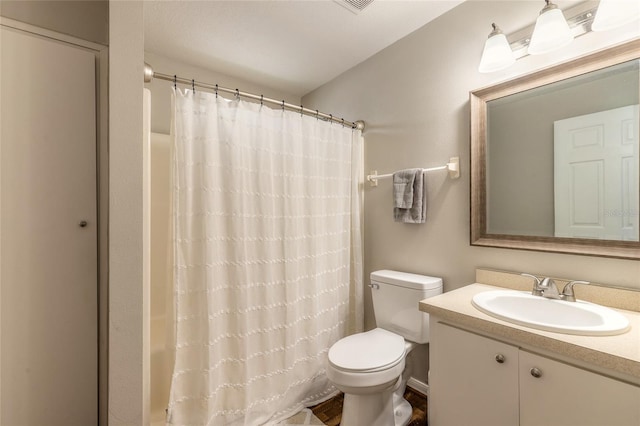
(48, 255)
(596, 175)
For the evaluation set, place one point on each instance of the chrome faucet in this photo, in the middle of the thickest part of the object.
(548, 288)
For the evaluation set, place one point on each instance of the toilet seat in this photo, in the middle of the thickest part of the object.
(367, 352)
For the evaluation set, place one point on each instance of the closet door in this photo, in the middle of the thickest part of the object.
(48, 233)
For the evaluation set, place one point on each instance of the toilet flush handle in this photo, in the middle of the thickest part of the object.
(375, 286)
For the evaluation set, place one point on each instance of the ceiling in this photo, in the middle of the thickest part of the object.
(292, 46)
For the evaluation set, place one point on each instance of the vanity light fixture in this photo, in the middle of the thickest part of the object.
(551, 31)
(534, 39)
(497, 53)
(615, 13)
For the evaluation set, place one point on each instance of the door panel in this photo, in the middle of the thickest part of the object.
(48, 261)
(473, 380)
(596, 175)
(564, 395)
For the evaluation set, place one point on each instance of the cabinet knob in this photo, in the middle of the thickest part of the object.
(500, 359)
(536, 372)
(83, 223)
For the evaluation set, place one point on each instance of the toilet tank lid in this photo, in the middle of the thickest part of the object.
(405, 279)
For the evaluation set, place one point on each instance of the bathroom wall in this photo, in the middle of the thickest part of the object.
(88, 20)
(414, 98)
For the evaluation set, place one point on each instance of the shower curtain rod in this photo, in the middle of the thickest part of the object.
(149, 75)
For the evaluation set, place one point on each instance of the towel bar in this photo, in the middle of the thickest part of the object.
(453, 166)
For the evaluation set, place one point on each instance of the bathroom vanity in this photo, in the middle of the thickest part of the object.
(486, 371)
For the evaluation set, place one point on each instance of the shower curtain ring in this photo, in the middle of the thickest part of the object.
(330, 118)
(283, 104)
(301, 110)
(237, 94)
(343, 122)
(193, 85)
(261, 100)
(216, 91)
(317, 115)
(175, 81)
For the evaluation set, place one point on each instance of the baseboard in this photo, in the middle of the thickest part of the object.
(416, 384)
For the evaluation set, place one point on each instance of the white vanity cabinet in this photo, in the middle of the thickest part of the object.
(476, 380)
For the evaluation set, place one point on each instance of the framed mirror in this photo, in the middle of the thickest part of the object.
(555, 159)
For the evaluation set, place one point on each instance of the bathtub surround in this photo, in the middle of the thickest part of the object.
(267, 268)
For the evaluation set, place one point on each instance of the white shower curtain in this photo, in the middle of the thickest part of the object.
(267, 258)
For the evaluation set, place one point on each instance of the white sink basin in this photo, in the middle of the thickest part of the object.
(578, 317)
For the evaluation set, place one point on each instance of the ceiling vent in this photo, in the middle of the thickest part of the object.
(355, 6)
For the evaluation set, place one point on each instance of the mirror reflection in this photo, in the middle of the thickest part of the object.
(562, 159)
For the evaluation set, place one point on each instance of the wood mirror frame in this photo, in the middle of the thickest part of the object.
(478, 101)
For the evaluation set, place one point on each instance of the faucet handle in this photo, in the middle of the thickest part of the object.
(536, 291)
(567, 291)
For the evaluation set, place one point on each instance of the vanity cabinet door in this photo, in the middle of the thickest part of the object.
(553, 393)
(473, 380)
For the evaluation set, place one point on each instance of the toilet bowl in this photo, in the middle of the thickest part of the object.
(368, 367)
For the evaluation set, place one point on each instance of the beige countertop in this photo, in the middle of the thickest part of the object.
(618, 354)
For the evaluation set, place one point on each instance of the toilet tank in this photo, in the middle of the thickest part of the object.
(395, 298)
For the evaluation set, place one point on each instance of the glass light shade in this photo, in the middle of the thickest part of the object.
(497, 54)
(550, 33)
(615, 13)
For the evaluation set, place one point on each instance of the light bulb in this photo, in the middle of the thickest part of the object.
(497, 53)
(551, 31)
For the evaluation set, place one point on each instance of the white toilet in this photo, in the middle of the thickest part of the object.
(368, 366)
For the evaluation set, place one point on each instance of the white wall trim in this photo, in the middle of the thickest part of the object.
(128, 368)
(416, 384)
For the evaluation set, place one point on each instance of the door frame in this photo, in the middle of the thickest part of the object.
(101, 53)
